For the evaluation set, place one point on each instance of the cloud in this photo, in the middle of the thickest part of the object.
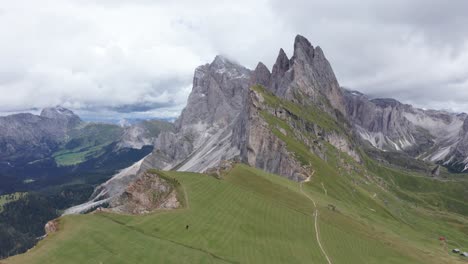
(137, 57)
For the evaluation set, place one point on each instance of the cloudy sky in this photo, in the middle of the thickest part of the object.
(137, 57)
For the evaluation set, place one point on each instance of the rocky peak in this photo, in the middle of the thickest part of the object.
(61, 114)
(303, 50)
(54, 112)
(217, 93)
(261, 75)
(280, 75)
(282, 63)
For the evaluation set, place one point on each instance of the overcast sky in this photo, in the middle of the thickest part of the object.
(139, 55)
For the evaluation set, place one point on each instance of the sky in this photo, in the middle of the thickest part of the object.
(136, 58)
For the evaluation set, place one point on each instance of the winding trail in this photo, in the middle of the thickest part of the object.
(316, 213)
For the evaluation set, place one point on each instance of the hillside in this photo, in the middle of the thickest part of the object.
(251, 216)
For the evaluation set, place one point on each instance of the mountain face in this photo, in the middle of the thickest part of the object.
(29, 137)
(388, 125)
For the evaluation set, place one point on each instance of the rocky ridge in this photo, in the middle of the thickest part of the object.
(434, 136)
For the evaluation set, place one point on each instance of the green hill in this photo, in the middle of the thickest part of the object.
(249, 216)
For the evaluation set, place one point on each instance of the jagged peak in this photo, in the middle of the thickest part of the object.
(261, 67)
(282, 56)
(261, 75)
(282, 62)
(303, 50)
(318, 53)
(300, 40)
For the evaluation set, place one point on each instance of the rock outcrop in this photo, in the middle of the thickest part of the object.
(51, 227)
(147, 193)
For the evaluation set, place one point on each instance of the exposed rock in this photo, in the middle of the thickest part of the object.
(465, 125)
(147, 193)
(204, 129)
(51, 226)
(110, 190)
(280, 77)
(436, 171)
(261, 148)
(309, 74)
(389, 125)
(261, 75)
(342, 144)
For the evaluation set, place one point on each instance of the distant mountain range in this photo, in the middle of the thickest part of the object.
(57, 142)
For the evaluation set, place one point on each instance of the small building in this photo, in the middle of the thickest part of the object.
(464, 254)
(455, 250)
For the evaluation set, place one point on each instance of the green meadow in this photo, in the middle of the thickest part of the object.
(248, 216)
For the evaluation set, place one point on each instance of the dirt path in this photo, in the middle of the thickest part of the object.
(316, 213)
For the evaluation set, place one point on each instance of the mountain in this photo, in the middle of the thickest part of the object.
(25, 137)
(430, 135)
(219, 122)
(236, 114)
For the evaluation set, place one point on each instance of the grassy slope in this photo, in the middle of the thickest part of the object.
(228, 223)
(249, 217)
(87, 142)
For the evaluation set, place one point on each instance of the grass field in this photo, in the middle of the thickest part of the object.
(78, 155)
(249, 216)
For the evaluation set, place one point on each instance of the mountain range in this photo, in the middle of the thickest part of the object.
(226, 118)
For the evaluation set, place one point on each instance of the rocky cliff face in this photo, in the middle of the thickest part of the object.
(389, 125)
(259, 146)
(204, 129)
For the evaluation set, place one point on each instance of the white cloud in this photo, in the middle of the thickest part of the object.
(108, 54)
